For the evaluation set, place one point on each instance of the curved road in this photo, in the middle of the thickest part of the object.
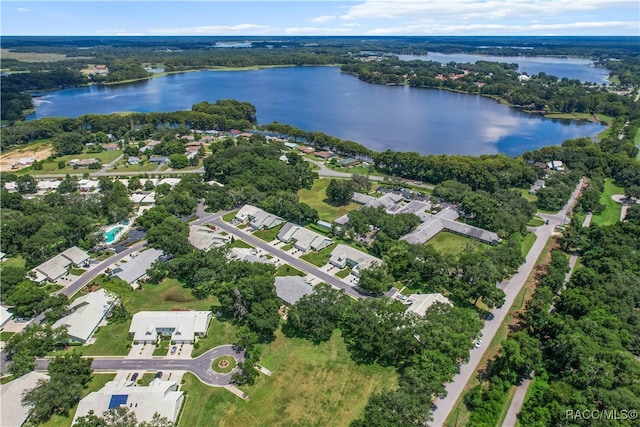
(511, 289)
(199, 366)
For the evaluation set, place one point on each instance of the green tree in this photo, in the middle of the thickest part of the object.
(171, 235)
(339, 192)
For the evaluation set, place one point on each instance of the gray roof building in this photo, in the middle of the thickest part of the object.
(343, 256)
(291, 288)
(13, 413)
(420, 303)
(86, 314)
(304, 238)
(204, 238)
(136, 268)
(446, 220)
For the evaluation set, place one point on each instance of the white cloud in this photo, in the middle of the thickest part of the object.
(318, 31)
(22, 9)
(456, 10)
(243, 29)
(323, 19)
(504, 29)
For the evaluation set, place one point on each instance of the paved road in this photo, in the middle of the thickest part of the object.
(200, 366)
(511, 288)
(516, 404)
(325, 171)
(291, 260)
(109, 165)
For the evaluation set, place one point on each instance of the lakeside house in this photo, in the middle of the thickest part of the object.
(325, 155)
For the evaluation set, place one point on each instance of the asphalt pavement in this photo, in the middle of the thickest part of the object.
(511, 289)
(199, 366)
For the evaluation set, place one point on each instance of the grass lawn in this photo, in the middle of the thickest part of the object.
(4, 336)
(52, 166)
(287, 247)
(527, 242)
(113, 339)
(146, 378)
(15, 261)
(140, 167)
(535, 222)
(636, 141)
(203, 405)
(219, 333)
(524, 192)
(163, 348)
(611, 213)
(77, 271)
(449, 243)
(97, 382)
(311, 386)
(319, 258)
(237, 243)
(287, 270)
(229, 217)
(316, 198)
(268, 234)
(223, 364)
(343, 273)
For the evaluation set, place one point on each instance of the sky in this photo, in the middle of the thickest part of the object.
(322, 18)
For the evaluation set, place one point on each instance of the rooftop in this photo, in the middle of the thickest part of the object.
(87, 313)
(13, 413)
(138, 266)
(420, 303)
(185, 324)
(291, 288)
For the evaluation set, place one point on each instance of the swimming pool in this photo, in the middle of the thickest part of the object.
(110, 234)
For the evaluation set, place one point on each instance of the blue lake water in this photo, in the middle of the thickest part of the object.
(571, 68)
(324, 99)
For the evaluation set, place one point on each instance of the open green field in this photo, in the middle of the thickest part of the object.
(268, 234)
(524, 192)
(113, 339)
(97, 382)
(287, 270)
(219, 333)
(123, 166)
(316, 198)
(36, 56)
(229, 217)
(319, 258)
(449, 243)
(611, 213)
(49, 167)
(310, 386)
(15, 261)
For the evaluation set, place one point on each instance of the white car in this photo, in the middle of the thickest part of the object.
(478, 343)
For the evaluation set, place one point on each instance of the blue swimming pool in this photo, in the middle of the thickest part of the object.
(110, 235)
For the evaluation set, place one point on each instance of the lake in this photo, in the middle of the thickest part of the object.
(323, 99)
(571, 68)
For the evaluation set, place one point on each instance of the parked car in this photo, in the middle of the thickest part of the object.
(173, 349)
(159, 374)
(134, 376)
(478, 343)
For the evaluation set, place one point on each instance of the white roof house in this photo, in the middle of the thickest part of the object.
(257, 217)
(159, 396)
(556, 165)
(48, 185)
(137, 267)
(204, 238)
(12, 412)
(5, 315)
(56, 267)
(344, 255)
(249, 255)
(291, 288)
(446, 220)
(86, 314)
(182, 326)
(304, 238)
(419, 303)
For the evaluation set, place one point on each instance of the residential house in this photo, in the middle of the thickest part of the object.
(87, 162)
(161, 397)
(5, 315)
(249, 255)
(306, 149)
(204, 238)
(346, 256)
(291, 288)
(326, 155)
(87, 312)
(304, 239)
(258, 219)
(161, 160)
(56, 267)
(110, 147)
(556, 165)
(136, 268)
(348, 162)
(13, 413)
(420, 303)
(446, 220)
(133, 160)
(182, 326)
(88, 185)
